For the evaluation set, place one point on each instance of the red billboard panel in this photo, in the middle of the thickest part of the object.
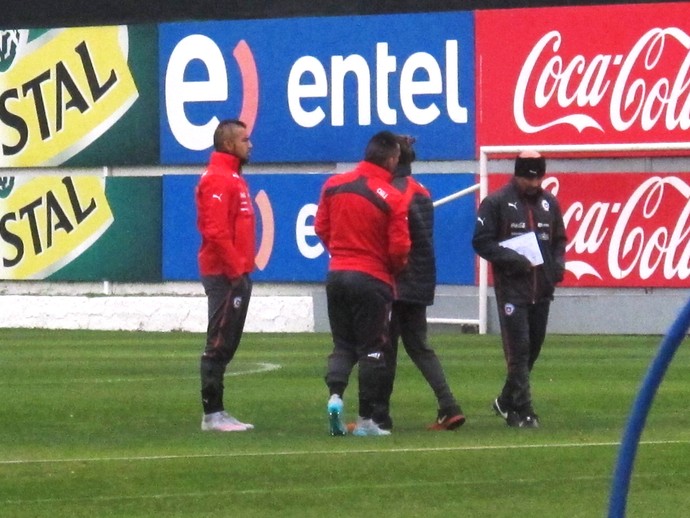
(583, 75)
(624, 229)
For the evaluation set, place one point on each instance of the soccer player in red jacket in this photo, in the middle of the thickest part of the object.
(225, 218)
(362, 221)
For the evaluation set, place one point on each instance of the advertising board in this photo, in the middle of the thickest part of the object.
(571, 76)
(624, 229)
(288, 249)
(316, 89)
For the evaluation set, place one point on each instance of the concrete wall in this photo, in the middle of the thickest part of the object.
(580, 311)
(302, 308)
(165, 307)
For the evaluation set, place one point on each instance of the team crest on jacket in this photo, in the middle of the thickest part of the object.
(545, 205)
(508, 309)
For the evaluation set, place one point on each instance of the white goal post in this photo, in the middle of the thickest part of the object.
(480, 322)
(483, 187)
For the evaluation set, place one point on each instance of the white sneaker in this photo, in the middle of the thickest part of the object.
(233, 420)
(366, 427)
(219, 423)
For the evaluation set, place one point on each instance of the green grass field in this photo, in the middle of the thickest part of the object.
(107, 424)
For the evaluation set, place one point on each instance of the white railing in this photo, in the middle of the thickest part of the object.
(480, 321)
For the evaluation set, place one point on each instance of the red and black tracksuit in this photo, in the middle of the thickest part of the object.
(225, 219)
(362, 221)
(523, 292)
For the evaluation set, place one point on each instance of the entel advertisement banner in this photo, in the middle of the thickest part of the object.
(624, 229)
(316, 89)
(583, 75)
(83, 96)
(288, 249)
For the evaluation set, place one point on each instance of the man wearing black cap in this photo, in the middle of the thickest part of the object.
(524, 288)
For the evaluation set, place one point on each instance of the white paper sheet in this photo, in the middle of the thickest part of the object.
(525, 244)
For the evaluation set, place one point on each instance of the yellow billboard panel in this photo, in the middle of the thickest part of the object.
(63, 91)
(47, 221)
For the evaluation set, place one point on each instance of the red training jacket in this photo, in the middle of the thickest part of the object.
(225, 219)
(362, 221)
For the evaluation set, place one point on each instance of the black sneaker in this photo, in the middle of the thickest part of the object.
(513, 419)
(529, 420)
(448, 419)
(501, 409)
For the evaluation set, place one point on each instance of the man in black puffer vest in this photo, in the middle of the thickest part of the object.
(415, 287)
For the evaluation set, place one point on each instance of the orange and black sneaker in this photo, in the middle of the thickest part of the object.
(448, 419)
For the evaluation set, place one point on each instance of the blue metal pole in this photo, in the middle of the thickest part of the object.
(640, 409)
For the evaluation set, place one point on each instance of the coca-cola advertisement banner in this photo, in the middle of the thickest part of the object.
(624, 229)
(571, 76)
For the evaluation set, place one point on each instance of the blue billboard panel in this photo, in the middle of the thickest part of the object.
(288, 250)
(316, 89)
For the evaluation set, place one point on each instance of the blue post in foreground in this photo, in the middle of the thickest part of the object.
(640, 409)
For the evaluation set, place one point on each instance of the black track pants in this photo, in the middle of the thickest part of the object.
(408, 322)
(358, 311)
(227, 312)
(523, 329)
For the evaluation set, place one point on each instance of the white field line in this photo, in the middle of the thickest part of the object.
(309, 488)
(261, 367)
(365, 451)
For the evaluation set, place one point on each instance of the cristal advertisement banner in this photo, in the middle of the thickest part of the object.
(288, 250)
(80, 228)
(624, 229)
(571, 76)
(81, 96)
(316, 89)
